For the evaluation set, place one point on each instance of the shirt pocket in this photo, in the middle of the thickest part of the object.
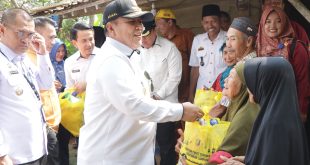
(75, 73)
(13, 76)
(201, 53)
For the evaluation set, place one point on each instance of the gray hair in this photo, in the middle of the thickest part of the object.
(9, 16)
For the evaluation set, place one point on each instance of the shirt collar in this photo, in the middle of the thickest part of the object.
(157, 42)
(120, 46)
(12, 56)
(81, 57)
(219, 35)
(250, 56)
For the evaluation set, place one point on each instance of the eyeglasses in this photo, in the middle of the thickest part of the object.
(21, 34)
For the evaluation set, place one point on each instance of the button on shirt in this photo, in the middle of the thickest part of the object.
(163, 62)
(21, 118)
(120, 122)
(210, 52)
(76, 68)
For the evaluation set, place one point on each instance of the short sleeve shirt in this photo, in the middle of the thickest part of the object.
(207, 56)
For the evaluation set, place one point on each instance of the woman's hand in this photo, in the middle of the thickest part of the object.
(237, 160)
(57, 84)
(179, 141)
(217, 110)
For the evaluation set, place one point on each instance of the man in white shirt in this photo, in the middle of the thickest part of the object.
(76, 68)
(46, 27)
(206, 59)
(120, 121)
(162, 60)
(22, 121)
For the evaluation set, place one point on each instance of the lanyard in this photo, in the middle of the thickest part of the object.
(28, 79)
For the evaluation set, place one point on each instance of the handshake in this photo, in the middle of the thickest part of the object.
(191, 112)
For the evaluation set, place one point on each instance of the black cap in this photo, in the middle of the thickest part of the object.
(126, 9)
(211, 10)
(148, 26)
(245, 25)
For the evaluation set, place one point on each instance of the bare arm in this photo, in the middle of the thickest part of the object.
(193, 83)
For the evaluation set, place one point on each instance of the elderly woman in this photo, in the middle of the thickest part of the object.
(278, 135)
(276, 37)
(230, 60)
(241, 113)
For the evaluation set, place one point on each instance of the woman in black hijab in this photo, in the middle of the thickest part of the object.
(278, 136)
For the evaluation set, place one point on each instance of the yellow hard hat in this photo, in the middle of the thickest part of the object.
(165, 13)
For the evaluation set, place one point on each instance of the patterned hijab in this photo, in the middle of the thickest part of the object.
(267, 46)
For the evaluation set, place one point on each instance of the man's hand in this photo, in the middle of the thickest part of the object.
(191, 112)
(80, 87)
(217, 111)
(155, 96)
(179, 141)
(237, 160)
(38, 44)
(5, 160)
(58, 85)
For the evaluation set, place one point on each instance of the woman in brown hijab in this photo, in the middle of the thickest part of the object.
(276, 38)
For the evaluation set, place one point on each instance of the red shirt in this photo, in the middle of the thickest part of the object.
(300, 64)
(300, 32)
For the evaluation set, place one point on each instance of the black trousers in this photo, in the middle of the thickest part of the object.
(40, 161)
(63, 137)
(52, 148)
(166, 139)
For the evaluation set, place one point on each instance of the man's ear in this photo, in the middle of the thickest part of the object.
(110, 28)
(250, 41)
(74, 43)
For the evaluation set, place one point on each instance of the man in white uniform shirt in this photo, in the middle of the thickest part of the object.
(206, 59)
(22, 121)
(120, 121)
(162, 60)
(76, 68)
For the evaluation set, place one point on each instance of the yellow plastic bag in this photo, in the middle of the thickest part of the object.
(202, 138)
(206, 99)
(72, 108)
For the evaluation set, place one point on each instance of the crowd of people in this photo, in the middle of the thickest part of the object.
(141, 83)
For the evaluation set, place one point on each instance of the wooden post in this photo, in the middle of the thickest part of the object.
(301, 8)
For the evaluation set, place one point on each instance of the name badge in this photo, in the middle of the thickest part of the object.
(75, 70)
(13, 72)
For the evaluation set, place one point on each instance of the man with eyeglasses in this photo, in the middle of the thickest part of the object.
(120, 121)
(22, 120)
(161, 59)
